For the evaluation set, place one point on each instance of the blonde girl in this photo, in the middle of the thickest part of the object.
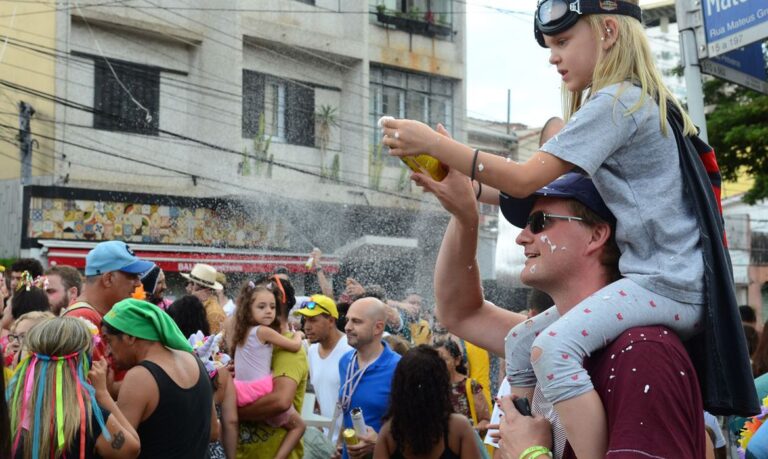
(617, 132)
(55, 412)
(256, 329)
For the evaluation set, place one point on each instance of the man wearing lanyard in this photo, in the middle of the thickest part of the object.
(366, 372)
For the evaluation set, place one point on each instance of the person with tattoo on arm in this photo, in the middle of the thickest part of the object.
(55, 412)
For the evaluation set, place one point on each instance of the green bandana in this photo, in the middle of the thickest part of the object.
(146, 321)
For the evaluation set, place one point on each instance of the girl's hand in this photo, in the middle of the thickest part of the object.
(408, 137)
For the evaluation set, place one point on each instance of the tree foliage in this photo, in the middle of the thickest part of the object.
(738, 131)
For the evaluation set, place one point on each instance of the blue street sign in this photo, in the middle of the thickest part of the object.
(744, 66)
(731, 24)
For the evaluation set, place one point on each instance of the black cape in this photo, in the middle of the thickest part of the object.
(719, 353)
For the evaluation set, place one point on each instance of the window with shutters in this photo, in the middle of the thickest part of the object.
(115, 99)
(287, 106)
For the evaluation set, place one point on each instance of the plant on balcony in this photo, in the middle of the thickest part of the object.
(325, 119)
(261, 143)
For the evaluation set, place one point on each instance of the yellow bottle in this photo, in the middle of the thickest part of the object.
(434, 167)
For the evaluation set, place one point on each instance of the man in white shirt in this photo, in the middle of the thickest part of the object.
(327, 346)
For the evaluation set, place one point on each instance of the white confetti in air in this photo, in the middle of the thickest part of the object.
(647, 388)
(509, 160)
(665, 332)
(629, 347)
(556, 138)
(611, 377)
(533, 269)
(634, 369)
(606, 297)
(641, 423)
(469, 267)
(682, 373)
(642, 334)
(480, 167)
(562, 248)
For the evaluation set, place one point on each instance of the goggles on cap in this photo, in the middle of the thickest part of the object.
(556, 16)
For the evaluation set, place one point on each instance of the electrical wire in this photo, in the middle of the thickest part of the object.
(82, 107)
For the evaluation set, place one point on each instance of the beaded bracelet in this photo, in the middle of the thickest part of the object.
(536, 451)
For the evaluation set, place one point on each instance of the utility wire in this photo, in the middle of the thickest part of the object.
(83, 107)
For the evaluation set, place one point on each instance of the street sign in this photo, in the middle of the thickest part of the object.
(744, 66)
(731, 24)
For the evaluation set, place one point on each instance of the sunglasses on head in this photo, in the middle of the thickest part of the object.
(538, 220)
(311, 305)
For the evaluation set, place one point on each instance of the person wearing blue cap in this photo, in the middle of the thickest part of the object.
(112, 273)
(644, 378)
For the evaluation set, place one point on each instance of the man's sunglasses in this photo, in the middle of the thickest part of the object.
(538, 220)
(311, 305)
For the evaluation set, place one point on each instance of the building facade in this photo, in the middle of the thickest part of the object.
(260, 117)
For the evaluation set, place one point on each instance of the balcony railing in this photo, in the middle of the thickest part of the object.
(411, 23)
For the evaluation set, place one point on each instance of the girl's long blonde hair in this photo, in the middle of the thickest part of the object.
(629, 59)
(49, 394)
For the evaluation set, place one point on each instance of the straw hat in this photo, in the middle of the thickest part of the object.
(204, 275)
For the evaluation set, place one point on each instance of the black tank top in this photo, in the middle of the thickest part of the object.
(447, 453)
(180, 426)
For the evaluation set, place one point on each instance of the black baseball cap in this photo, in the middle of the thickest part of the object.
(572, 185)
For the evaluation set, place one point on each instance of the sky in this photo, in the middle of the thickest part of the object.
(502, 54)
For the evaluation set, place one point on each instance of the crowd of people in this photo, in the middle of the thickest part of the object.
(632, 344)
(135, 384)
(134, 371)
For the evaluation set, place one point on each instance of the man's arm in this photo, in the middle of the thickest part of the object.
(458, 289)
(276, 402)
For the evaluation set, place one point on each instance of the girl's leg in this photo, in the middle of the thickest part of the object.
(295, 430)
(517, 352)
(558, 353)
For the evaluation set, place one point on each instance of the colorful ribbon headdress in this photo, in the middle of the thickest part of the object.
(33, 372)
